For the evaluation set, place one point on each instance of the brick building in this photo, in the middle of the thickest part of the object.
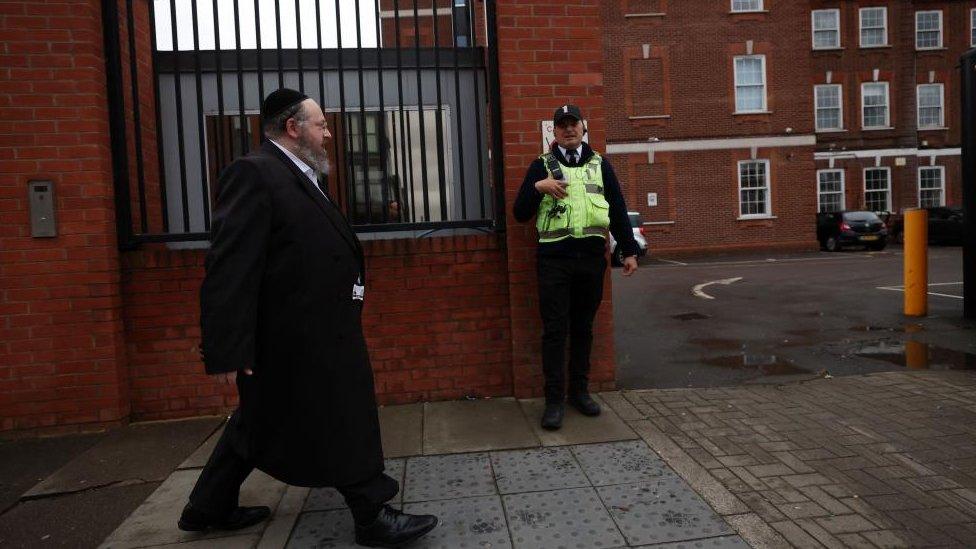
(706, 108)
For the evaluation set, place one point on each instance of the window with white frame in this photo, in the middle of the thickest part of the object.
(874, 105)
(747, 5)
(877, 189)
(750, 83)
(754, 188)
(928, 29)
(874, 27)
(829, 112)
(931, 109)
(931, 186)
(830, 191)
(972, 28)
(826, 29)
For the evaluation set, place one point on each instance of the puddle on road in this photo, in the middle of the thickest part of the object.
(917, 355)
(767, 365)
(907, 328)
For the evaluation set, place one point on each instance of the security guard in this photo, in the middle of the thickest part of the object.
(574, 195)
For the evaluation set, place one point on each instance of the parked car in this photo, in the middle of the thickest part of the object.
(637, 224)
(838, 229)
(945, 226)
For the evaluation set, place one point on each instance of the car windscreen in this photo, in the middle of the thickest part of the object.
(635, 220)
(861, 216)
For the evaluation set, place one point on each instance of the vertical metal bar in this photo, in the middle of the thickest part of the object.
(381, 127)
(476, 81)
(245, 144)
(177, 80)
(420, 112)
(350, 188)
(406, 206)
(301, 69)
(457, 114)
(117, 123)
(439, 119)
(362, 116)
(257, 35)
(218, 65)
(494, 85)
(968, 123)
(136, 118)
(159, 119)
(281, 63)
(318, 52)
(204, 176)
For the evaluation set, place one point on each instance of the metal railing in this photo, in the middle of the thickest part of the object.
(410, 93)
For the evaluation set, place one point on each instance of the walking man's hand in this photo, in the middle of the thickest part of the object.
(630, 265)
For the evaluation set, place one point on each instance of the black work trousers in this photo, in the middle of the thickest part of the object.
(217, 490)
(570, 292)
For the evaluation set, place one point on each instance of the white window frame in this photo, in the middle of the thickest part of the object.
(864, 182)
(887, 105)
(759, 8)
(918, 106)
(843, 187)
(941, 30)
(735, 83)
(861, 29)
(817, 108)
(768, 188)
(972, 27)
(813, 30)
(942, 194)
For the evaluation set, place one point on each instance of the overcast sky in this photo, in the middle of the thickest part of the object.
(269, 40)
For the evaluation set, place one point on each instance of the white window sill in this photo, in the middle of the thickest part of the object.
(881, 47)
(659, 223)
(755, 217)
(933, 129)
(746, 113)
(837, 130)
(747, 11)
(939, 48)
(650, 117)
(834, 48)
(638, 15)
(878, 129)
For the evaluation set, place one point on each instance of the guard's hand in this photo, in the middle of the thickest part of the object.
(630, 265)
(552, 187)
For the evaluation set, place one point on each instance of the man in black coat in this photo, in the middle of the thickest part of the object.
(280, 313)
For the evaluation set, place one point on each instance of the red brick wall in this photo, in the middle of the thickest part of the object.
(549, 54)
(61, 354)
(436, 322)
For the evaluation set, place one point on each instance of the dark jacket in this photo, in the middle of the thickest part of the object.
(277, 298)
(528, 200)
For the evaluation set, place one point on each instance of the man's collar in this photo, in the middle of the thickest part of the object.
(577, 150)
(305, 168)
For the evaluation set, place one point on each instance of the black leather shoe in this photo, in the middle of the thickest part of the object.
(194, 520)
(552, 417)
(585, 404)
(394, 528)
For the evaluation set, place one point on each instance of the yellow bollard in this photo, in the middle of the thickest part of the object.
(916, 262)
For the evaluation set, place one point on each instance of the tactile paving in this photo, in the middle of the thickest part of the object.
(536, 470)
(324, 530)
(324, 499)
(448, 477)
(477, 522)
(620, 462)
(568, 519)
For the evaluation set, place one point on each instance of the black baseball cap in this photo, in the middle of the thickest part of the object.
(567, 111)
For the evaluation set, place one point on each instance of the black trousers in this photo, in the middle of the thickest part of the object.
(570, 292)
(219, 486)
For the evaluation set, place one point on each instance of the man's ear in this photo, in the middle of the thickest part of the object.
(291, 128)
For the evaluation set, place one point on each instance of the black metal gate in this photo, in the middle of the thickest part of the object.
(409, 89)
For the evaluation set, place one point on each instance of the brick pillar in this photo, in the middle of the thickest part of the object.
(549, 54)
(61, 349)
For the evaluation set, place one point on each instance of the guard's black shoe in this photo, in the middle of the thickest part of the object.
(394, 528)
(552, 417)
(585, 404)
(193, 520)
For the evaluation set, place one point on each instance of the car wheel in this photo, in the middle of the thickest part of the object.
(832, 245)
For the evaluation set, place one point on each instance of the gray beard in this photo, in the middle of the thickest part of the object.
(317, 159)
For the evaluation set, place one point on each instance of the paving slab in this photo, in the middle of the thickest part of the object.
(572, 519)
(577, 428)
(466, 522)
(402, 430)
(154, 522)
(620, 462)
(665, 510)
(138, 453)
(246, 541)
(475, 426)
(324, 530)
(26, 462)
(725, 542)
(536, 470)
(283, 520)
(200, 456)
(448, 477)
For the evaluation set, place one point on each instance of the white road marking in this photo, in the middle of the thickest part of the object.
(902, 289)
(672, 262)
(697, 290)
